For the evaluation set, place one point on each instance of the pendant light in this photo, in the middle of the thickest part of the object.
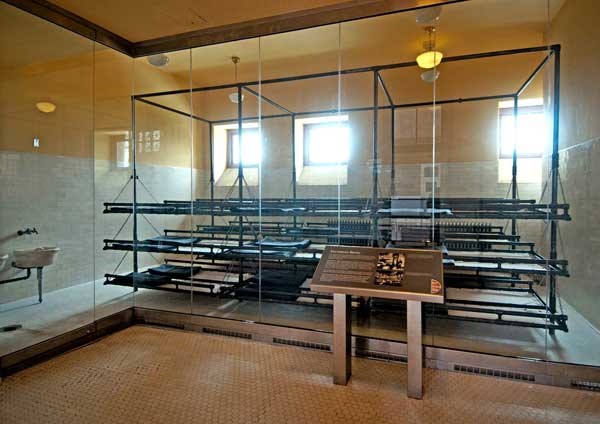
(233, 97)
(430, 58)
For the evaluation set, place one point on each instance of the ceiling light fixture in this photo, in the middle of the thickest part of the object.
(430, 58)
(45, 107)
(158, 60)
(233, 97)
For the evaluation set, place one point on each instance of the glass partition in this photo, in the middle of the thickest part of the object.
(226, 178)
(46, 180)
(162, 193)
(306, 161)
(392, 112)
(209, 181)
(113, 176)
(575, 133)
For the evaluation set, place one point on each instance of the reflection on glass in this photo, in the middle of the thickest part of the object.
(251, 147)
(46, 180)
(327, 143)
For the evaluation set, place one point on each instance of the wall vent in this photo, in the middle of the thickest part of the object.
(227, 333)
(161, 323)
(298, 343)
(586, 385)
(380, 356)
(494, 373)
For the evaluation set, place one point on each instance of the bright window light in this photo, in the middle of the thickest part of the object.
(531, 132)
(251, 149)
(326, 143)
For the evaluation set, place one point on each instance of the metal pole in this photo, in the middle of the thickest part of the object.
(393, 170)
(212, 174)
(294, 185)
(414, 346)
(133, 138)
(342, 338)
(375, 154)
(554, 181)
(240, 180)
(514, 160)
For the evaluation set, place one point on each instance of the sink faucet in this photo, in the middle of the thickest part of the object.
(28, 231)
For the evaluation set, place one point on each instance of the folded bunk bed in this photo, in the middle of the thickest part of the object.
(286, 236)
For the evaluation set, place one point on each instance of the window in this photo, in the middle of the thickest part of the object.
(326, 143)
(531, 131)
(251, 149)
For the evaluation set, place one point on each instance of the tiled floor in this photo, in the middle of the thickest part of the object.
(149, 375)
(70, 308)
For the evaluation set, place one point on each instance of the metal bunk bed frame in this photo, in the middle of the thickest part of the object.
(551, 212)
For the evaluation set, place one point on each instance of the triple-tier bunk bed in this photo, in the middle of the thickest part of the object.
(247, 248)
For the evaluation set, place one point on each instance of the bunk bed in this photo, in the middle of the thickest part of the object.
(287, 236)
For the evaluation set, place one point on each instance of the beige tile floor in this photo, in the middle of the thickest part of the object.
(150, 375)
(67, 309)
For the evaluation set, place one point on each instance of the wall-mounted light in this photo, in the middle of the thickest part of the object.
(431, 57)
(45, 107)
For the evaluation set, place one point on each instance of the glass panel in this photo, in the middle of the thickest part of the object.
(489, 175)
(162, 222)
(391, 116)
(572, 26)
(113, 168)
(302, 173)
(223, 178)
(46, 180)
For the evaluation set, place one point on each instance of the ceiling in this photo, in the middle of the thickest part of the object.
(139, 20)
(473, 25)
(476, 25)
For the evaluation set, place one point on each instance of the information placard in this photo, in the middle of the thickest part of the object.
(408, 274)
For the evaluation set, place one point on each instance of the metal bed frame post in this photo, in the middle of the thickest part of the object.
(212, 173)
(514, 161)
(554, 176)
(294, 187)
(375, 155)
(240, 179)
(392, 128)
(393, 159)
(134, 203)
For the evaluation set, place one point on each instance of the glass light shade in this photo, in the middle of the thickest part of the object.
(158, 60)
(45, 107)
(429, 59)
(233, 97)
(430, 76)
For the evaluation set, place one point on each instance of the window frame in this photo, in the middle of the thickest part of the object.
(306, 143)
(522, 110)
(231, 132)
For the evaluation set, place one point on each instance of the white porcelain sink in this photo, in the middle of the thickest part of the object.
(35, 258)
(3, 259)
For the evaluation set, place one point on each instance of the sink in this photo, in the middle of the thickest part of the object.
(3, 259)
(35, 258)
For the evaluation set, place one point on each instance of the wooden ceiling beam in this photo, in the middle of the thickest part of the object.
(63, 18)
(327, 15)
